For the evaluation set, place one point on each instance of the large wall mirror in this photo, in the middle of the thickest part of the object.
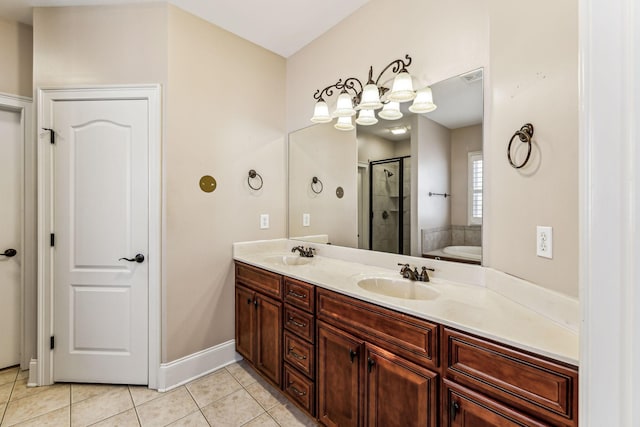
(409, 186)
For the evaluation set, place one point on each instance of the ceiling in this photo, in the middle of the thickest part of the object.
(281, 26)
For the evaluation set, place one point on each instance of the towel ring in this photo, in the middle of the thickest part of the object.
(252, 175)
(314, 181)
(525, 134)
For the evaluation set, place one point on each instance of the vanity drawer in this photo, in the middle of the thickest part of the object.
(260, 280)
(546, 389)
(299, 353)
(300, 389)
(299, 322)
(409, 337)
(299, 294)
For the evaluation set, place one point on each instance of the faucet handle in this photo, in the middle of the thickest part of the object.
(401, 264)
(424, 276)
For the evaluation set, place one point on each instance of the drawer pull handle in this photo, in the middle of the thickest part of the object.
(298, 324)
(296, 391)
(296, 355)
(454, 409)
(352, 354)
(297, 295)
(370, 363)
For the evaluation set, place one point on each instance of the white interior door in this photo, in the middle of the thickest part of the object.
(100, 215)
(10, 236)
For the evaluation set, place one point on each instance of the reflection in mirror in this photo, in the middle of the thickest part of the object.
(417, 186)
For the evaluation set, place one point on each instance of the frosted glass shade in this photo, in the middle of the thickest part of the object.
(344, 123)
(366, 118)
(321, 113)
(370, 98)
(423, 102)
(344, 107)
(402, 89)
(390, 111)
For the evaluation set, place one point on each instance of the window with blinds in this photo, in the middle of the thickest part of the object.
(475, 188)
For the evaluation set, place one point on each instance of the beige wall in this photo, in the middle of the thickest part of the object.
(463, 141)
(16, 45)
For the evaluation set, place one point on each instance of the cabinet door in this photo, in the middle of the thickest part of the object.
(338, 377)
(245, 322)
(465, 408)
(268, 356)
(399, 393)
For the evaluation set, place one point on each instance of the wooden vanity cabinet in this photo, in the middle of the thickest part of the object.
(259, 320)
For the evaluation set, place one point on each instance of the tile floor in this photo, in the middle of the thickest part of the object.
(232, 396)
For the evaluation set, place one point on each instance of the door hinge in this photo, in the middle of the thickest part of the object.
(52, 342)
(52, 240)
(52, 135)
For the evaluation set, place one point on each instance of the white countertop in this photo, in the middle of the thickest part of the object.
(467, 307)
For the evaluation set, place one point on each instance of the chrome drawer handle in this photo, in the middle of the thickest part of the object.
(297, 295)
(298, 324)
(296, 355)
(296, 391)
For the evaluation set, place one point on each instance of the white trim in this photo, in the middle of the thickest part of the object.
(24, 107)
(151, 93)
(188, 368)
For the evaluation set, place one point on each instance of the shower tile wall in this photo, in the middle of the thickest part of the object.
(385, 199)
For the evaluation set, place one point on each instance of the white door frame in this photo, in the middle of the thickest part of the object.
(24, 107)
(152, 94)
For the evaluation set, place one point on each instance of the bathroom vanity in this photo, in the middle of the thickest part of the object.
(350, 358)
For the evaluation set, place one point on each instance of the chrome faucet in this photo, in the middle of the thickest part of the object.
(413, 275)
(306, 253)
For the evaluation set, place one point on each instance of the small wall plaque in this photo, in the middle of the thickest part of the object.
(339, 192)
(208, 184)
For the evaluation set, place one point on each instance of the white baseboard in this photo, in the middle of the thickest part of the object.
(188, 368)
(33, 374)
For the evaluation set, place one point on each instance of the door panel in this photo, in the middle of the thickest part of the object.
(10, 236)
(269, 337)
(100, 215)
(245, 322)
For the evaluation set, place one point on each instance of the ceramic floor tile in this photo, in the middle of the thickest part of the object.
(164, 410)
(5, 392)
(80, 392)
(193, 420)
(125, 419)
(243, 372)
(58, 418)
(213, 387)
(8, 375)
(288, 415)
(23, 375)
(3, 406)
(101, 407)
(20, 389)
(35, 405)
(263, 420)
(265, 394)
(233, 411)
(142, 394)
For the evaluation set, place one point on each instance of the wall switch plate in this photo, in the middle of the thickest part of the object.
(306, 220)
(264, 221)
(544, 241)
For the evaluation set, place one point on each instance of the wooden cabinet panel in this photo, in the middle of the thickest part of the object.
(268, 353)
(299, 322)
(245, 323)
(531, 384)
(259, 280)
(299, 294)
(407, 336)
(299, 354)
(300, 389)
(465, 408)
(338, 377)
(399, 393)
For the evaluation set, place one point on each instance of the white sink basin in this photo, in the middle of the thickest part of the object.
(398, 288)
(288, 260)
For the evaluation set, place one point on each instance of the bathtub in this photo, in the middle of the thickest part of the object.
(471, 254)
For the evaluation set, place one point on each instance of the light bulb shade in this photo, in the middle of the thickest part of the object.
(423, 102)
(344, 106)
(344, 123)
(366, 118)
(402, 89)
(370, 98)
(321, 113)
(390, 111)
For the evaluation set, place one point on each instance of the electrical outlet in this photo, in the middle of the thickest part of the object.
(306, 220)
(544, 241)
(264, 221)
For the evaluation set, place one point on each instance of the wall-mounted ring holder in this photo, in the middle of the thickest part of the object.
(314, 184)
(253, 175)
(524, 134)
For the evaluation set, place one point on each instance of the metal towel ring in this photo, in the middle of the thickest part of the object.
(252, 175)
(315, 180)
(525, 134)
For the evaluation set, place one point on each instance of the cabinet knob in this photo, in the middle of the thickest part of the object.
(454, 408)
(370, 364)
(352, 354)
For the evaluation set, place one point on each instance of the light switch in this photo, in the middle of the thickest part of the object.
(544, 241)
(264, 221)
(306, 220)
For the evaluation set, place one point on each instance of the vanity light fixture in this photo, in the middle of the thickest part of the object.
(356, 98)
